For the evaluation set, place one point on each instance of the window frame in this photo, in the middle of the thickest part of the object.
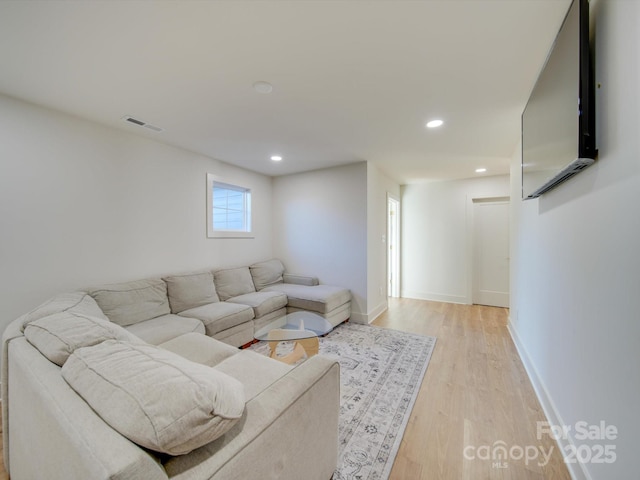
(213, 180)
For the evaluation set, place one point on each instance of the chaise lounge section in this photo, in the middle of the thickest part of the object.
(303, 292)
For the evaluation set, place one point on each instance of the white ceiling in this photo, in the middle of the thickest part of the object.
(352, 80)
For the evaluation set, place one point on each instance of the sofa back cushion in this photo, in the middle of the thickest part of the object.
(132, 302)
(233, 282)
(155, 398)
(58, 335)
(190, 291)
(80, 303)
(267, 273)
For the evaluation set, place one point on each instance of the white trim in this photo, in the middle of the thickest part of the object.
(361, 318)
(376, 312)
(393, 277)
(434, 297)
(367, 318)
(549, 408)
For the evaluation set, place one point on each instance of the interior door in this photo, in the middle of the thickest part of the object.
(491, 252)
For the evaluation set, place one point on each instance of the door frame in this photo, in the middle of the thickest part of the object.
(470, 263)
(393, 240)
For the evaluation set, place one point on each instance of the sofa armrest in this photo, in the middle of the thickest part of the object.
(289, 431)
(300, 279)
(54, 434)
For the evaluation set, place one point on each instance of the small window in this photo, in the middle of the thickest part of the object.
(228, 210)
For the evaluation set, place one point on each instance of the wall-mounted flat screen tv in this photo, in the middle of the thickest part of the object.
(558, 122)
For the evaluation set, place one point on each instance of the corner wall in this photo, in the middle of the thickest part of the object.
(575, 312)
(320, 228)
(436, 238)
(378, 186)
(82, 204)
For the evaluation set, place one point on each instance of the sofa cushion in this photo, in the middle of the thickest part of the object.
(75, 302)
(263, 303)
(59, 335)
(256, 372)
(132, 302)
(236, 336)
(164, 328)
(267, 273)
(220, 316)
(190, 291)
(153, 397)
(317, 298)
(233, 282)
(200, 348)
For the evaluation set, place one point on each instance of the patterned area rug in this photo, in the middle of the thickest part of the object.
(380, 375)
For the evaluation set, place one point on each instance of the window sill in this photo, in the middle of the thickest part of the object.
(230, 235)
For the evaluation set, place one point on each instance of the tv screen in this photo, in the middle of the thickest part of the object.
(558, 122)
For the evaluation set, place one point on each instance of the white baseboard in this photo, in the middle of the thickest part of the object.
(434, 297)
(367, 318)
(576, 470)
(376, 312)
(357, 317)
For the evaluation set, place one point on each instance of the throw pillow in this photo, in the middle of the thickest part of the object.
(153, 397)
(74, 302)
(59, 335)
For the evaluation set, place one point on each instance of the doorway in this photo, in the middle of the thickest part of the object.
(490, 276)
(393, 246)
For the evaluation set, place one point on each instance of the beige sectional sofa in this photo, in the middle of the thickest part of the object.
(142, 380)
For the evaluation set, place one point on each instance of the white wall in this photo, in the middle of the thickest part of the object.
(320, 228)
(379, 186)
(436, 249)
(576, 285)
(82, 204)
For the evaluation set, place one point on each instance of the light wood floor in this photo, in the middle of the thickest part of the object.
(3, 472)
(475, 393)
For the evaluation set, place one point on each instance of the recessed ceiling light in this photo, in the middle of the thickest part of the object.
(263, 87)
(481, 170)
(434, 123)
(276, 158)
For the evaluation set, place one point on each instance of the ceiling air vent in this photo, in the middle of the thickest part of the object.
(140, 123)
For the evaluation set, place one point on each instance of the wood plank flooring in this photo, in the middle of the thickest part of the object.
(3, 472)
(475, 393)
